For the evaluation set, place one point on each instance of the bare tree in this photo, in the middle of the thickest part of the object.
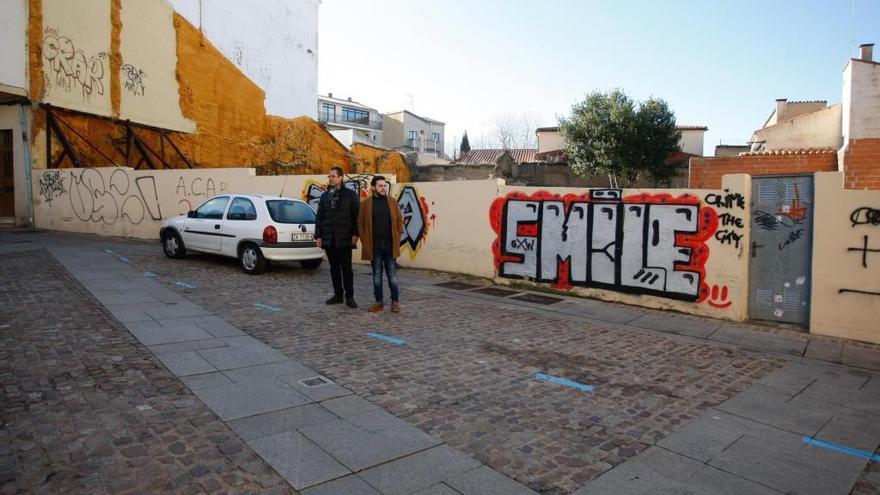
(514, 130)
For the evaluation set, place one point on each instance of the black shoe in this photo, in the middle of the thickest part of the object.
(350, 303)
(334, 300)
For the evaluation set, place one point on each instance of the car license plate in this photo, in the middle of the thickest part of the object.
(301, 236)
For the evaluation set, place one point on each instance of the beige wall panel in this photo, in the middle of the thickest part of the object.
(846, 261)
(76, 64)
(148, 76)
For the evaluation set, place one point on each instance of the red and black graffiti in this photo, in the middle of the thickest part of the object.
(647, 243)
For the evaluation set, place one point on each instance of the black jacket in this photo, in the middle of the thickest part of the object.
(335, 227)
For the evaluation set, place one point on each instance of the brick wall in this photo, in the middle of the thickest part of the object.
(706, 173)
(861, 164)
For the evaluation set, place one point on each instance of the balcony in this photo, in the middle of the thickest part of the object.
(363, 123)
(429, 145)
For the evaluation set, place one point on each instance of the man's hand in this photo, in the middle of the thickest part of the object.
(318, 241)
(354, 241)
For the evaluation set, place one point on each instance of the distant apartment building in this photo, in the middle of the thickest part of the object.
(408, 132)
(349, 121)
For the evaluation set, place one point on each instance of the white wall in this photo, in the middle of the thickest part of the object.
(820, 129)
(275, 43)
(549, 141)
(861, 100)
(13, 56)
(692, 142)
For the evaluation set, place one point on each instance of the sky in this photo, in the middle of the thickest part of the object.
(718, 63)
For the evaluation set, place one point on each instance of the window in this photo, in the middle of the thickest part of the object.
(328, 112)
(355, 116)
(412, 135)
(213, 209)
(241, 209)
(287, 211)
(435, 136)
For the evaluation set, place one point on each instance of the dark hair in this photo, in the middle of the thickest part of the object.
(377, 178)
(338, 171)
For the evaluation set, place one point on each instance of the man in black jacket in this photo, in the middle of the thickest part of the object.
(336, 231)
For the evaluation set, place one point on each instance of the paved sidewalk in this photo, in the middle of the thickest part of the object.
(678, 404)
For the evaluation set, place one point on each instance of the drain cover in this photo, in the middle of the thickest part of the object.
(314, 382)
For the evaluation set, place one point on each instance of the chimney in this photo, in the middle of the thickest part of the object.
(349, 98)
(867, 52)
(780, 109)
(329, 95)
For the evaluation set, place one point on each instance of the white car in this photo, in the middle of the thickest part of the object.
(250, 227)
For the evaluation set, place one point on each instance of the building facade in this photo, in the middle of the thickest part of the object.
(359, 123)
(408, 132)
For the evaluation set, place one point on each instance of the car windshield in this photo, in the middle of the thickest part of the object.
(289, 211)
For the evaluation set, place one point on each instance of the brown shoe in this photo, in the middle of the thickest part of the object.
(395, 307)
(376, 308)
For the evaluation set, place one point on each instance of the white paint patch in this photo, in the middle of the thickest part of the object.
(777, 298)
(800, 280)
(778, 313)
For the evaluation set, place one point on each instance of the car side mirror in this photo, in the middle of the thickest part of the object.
(191, 214)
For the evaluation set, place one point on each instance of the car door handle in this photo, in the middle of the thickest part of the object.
(217, 226)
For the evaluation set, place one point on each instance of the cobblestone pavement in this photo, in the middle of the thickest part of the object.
(84, 408)
(467, 372)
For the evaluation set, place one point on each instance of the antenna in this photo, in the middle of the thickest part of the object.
(852, 12)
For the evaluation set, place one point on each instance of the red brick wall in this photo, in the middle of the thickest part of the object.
(706, 173)
(861, 163)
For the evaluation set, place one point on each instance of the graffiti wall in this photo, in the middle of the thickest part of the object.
(662, 244)
(75, 41)
(846, 260)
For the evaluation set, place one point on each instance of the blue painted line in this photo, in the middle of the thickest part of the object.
(185, 285)
(109, 251)
(840, 448)
(124, 259)
(563, 381)
(266, 306)
(386, 338)
(150, 274)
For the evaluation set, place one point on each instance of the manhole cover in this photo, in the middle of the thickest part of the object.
(537, 299)
(314, 382)
(457, 285)
(495, 291)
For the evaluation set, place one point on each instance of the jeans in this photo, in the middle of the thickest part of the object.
(382, 256)
(340, 271)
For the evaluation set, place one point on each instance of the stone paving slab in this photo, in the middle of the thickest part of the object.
(238, 400)
(369, 442)
(418, 471)
(486, 481)
(348, 485)
(272, 423)
(298, 460)
(186, 363)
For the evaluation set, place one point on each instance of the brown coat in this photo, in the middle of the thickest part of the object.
(365, 227)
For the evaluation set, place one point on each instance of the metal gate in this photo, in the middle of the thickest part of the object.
(7, 177)
(781, 249)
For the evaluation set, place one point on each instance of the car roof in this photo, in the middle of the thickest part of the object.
(261, 196)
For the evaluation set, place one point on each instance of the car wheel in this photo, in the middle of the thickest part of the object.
(252, 260)
(311, 264)
(173, 245)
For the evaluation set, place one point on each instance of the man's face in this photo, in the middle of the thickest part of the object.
(334, 178)
(381, 188)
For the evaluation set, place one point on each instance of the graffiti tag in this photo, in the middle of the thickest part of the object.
(865, 216)
(134, 79)
(69, 66)
(51, 185)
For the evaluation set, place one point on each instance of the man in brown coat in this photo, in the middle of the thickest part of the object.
(380, 225)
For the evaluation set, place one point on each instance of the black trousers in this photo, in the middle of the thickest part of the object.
(340, 271)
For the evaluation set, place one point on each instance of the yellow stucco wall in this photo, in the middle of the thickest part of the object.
(148, 81)
(75, 48)
(846, 273)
